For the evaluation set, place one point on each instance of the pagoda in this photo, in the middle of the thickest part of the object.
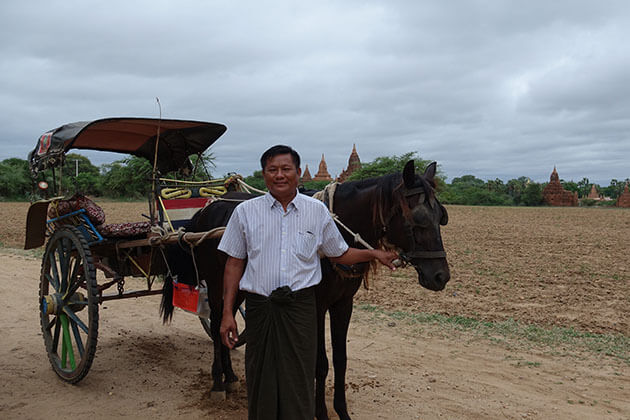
(322, 174)
(624, 198)
(306, 175)
(354, 163)
(593, 195)
(555, 195)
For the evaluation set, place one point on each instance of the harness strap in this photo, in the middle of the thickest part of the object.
(424, 254)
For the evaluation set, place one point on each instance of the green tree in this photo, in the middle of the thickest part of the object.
(532, 195)
(15, 179)
(385, 165)
(127, 178)
(256, 180)
(79, 175)
(584, 187)
(470, 190)
(614, 189)
(516, 187)
(497, 185)
(570, 186)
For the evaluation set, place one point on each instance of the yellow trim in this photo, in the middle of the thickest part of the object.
(168, 219)
(138, 266)
(172, 193)
(209, 192)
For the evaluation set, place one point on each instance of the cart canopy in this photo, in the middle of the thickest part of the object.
(178, 139)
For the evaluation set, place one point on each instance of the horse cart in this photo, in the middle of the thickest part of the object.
(79, 243)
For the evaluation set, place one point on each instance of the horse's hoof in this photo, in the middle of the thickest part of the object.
(217, 396)
(233, 386)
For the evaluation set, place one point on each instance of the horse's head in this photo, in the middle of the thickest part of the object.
(415, 228)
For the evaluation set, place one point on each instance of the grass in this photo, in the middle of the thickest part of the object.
(613, 345)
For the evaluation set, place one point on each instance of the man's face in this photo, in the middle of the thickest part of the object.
(281, 176)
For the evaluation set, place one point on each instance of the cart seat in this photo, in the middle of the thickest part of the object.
(97, 216)
(77, 202)
(125, 230)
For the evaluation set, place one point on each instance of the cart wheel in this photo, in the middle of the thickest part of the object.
(68, 303)
(205, 323)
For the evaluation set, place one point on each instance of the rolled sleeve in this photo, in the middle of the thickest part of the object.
(233, 241)
(333, 244)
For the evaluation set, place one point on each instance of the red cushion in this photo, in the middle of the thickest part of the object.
(77, 202)
(125, 230)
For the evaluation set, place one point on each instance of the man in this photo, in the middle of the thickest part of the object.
(280, 234)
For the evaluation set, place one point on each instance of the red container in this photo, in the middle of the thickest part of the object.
(185, 297)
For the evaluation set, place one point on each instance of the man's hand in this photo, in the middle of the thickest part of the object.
(354, 255)
(228, 331)
(386, 257)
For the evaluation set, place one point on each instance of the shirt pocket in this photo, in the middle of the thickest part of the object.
(305, 245)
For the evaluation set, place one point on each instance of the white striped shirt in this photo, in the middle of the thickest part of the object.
(281, 247)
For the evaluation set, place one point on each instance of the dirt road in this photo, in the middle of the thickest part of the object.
(397, 369)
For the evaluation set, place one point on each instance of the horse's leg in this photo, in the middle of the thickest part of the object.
(231, 380)
(321, 369)
(340, 315)
(217, 393)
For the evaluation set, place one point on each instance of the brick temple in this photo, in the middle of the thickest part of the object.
(555, 195)
(322, 174)
(624, 198)
(594, 195)
(354, 163)
(306, 175)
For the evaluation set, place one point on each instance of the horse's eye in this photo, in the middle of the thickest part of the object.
(419, 216)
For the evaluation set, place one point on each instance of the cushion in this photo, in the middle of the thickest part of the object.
(77, 202)
(124, 230)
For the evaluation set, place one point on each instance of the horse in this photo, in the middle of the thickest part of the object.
(396, 211)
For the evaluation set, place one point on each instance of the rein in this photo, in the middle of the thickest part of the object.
(414, 253)
(327, 196)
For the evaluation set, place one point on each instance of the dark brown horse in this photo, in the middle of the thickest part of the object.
(398, 211)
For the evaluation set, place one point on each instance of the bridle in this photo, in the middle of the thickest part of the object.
(414, 253)
(327, 196)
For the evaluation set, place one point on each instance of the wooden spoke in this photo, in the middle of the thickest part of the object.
(76, 319)
(55, 271)
(52, 281)
(77, 338)
(70, 334)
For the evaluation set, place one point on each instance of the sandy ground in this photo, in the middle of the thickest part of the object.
(562, 267)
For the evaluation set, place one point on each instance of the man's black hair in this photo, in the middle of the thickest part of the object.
(279, 150)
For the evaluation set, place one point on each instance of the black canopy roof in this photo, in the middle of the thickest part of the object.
(136, 136)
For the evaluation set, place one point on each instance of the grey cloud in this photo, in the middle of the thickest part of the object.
(486, 88)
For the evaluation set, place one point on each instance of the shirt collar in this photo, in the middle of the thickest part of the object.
(296, 202)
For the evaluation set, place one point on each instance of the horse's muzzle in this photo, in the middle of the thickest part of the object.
(433, 278)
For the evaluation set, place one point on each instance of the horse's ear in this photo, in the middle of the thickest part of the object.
(429, 173)
(444, 218)
(409, 174)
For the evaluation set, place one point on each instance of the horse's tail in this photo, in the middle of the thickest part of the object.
(179, 264)
(166, 305)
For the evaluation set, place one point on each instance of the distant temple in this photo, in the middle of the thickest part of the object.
(594, 195)
(555, 195)
(306, 175)
(354, 163)
(322, 174)
(624, 198)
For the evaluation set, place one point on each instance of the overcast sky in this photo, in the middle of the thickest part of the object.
(497, 89)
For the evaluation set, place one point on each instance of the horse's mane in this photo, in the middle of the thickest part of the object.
(384, 190)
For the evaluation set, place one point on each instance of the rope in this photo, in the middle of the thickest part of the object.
(329, 191)
(248, 188)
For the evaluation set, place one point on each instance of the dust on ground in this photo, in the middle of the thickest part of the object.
(545, 266)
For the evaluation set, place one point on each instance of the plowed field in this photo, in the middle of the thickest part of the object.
(541, 267)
